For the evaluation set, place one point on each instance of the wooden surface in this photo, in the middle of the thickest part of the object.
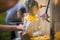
(7, 4)
(56, 15)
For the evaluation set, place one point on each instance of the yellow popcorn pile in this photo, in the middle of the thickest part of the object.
(32, 18)
(41, 38)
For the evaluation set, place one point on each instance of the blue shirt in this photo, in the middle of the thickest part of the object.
(12, 12)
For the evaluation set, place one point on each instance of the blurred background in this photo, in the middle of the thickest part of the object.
(4, 35)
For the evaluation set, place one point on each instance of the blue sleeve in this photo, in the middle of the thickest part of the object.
(9, 13)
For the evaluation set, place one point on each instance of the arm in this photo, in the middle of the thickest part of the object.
(11, 27)
(43, 15)
(8, 17)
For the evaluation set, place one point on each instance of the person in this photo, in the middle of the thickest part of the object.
(15, 17)
(31, 21)
(8, 27)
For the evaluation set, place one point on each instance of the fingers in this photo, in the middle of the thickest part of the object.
(20, 27)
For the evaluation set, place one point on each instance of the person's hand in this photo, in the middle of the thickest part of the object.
(20, 27)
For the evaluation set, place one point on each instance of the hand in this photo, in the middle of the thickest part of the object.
(20, 27)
